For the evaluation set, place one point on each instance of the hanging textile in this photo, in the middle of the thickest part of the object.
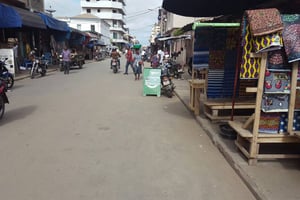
(249, 65)
(291, 37)
(264, 21)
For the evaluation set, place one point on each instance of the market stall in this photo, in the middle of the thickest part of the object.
(216, 48)
(270, 55)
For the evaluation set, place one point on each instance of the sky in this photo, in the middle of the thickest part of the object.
(140, 14)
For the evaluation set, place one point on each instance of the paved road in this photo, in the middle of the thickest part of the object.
(91, 135)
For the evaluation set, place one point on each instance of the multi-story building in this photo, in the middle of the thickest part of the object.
(113, 12)
(154, 33)
(92, 23)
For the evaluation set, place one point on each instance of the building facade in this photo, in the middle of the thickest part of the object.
(90, 23)
(113, 12)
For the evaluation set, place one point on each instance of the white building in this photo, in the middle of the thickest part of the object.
(113, 12)
(90, 22)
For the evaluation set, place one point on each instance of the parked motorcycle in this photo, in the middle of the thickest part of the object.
(167, 85)
(6, 75)
(114, 65)
(3, 97)
(38, 65)
(174, 68)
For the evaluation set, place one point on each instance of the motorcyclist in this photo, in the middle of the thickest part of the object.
(115, 55)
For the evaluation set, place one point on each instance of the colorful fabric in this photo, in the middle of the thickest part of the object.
(269, 123)
(264, 21)
(277, 60)
(232, 39)
(249, 65)
(268, 42)
(284, 122)
(216, 59)
(291, 37)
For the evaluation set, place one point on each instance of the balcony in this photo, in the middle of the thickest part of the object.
(119, 40)
(103, 4)
(110, 15)
(117, 28)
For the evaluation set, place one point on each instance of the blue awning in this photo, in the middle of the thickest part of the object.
(9, 18)
(55, 24)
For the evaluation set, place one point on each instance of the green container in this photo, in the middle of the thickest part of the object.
(137, 46)
(151, 81)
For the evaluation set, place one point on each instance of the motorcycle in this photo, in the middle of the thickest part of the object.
(6, 75)
(3, 97)
(175, 69)
(38, 66)
(167, 85)
(114, 65)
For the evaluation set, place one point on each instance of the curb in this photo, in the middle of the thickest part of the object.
(204, 123)
(24, 76)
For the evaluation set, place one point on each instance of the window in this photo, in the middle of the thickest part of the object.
(114, 11)
(115, 35)
(88, 10)
(79, 26)
(98, 10)
(92, 27)
(88, 0)
(115, 24)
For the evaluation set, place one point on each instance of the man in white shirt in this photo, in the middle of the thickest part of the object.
(161, 56)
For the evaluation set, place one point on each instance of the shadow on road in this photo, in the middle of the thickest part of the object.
(16, 114)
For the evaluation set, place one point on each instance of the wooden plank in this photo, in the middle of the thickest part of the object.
(249, 121)
(259, 94)
(237, 126)
(292, 97)
(276, 156)
(255, 55)
(222, 118)
(227, 102)
(272, 140)
(226, 107)
(251, 89)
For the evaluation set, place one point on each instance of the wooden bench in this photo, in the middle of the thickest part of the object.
(221, 110)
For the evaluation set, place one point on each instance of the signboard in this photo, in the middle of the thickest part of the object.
(10, 62)
(151, 81)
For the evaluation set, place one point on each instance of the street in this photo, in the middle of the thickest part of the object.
(92, 135)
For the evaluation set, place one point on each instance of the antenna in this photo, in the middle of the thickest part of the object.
(50, 10)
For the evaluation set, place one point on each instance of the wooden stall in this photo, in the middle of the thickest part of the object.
(274, 127)
(214, 67)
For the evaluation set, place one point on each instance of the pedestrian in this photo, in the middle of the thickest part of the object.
(161, 56)
(155, 60)
(16, 57)
(66, 57)
(129, 60)
(137, 63)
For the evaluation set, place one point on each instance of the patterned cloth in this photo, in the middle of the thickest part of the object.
(284, 122)
(269, 123)
(291, 37)
(277, 60)
(268, 42)
(249, 65)
(264, 21)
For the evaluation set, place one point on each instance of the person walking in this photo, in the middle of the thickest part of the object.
(155, 60)
(66, 57)
(137, 63)
(129, 60)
